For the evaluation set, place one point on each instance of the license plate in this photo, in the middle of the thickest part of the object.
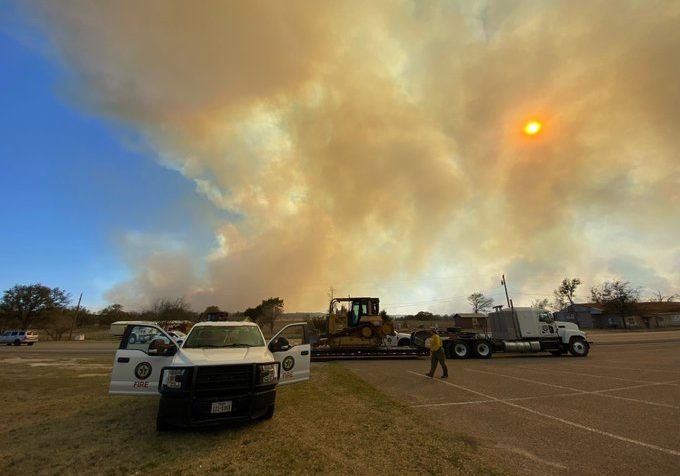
(220, 407)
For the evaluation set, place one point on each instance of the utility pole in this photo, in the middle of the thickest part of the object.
(505, 286)
(75, 318)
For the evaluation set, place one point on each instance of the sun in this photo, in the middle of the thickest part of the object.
(532, 128)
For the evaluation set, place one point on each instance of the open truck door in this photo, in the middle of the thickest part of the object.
(291, 347)
(143, 352)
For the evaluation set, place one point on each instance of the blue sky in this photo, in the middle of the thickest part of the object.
(73, 183)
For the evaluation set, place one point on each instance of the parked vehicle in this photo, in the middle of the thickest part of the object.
(221, 372)
(514, 330)
(177, 336)
(397, 339)
(18, 337)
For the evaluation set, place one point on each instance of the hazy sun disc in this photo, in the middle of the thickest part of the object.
(532, 128)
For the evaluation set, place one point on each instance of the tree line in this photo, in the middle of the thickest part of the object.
(615, 297)
(38, 306)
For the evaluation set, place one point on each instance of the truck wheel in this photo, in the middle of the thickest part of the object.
(30, 343)
(483, 349)
(17, 342)
(460, 350)
(578, 347)
(269, 413)
(404, 343)
(161, 424)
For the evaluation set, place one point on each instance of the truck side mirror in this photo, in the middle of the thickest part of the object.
(279, 345)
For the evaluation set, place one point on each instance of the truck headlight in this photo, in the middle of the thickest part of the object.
(173, 378)
(267, 374)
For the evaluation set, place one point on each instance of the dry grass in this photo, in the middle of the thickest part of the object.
(60, 420)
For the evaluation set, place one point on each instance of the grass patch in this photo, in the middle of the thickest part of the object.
(61, 420)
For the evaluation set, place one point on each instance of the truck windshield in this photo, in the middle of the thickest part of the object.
(223, 336)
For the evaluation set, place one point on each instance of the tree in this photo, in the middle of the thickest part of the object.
(564, 294)
(272, 308)
(113, 313)
(658, 297)
(540, 303)
(165, 310)
(479, 302)
(58, 323)
(617, 297)
(29, 301)
(384, 316)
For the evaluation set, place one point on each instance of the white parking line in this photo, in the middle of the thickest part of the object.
(474, 402)
(561, 420)
(622, 368)
(672, 382)
(584, 392)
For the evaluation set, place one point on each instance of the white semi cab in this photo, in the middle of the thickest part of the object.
(221, 372)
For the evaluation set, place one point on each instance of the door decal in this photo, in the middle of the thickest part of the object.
(143, 370)
(288, 363)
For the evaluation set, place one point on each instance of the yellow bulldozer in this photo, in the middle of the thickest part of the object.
(356, 322)
(355, 329)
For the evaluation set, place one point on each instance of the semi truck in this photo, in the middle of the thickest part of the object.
(518, 329)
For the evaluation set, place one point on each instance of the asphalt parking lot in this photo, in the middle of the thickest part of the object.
(616, 411)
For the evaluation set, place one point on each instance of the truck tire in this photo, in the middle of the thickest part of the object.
(404, 343)
(483, 349)
(460, 349)
(578, 347)
(161, 424)
(269, 413)
(17, 342)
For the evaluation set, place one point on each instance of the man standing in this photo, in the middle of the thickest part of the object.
(437, 354)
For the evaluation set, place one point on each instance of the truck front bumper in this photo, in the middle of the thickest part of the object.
(186, 410)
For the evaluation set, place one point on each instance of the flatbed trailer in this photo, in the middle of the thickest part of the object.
(326, 353)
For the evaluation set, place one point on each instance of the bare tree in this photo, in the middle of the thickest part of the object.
(479, 302)
(540, 303)
(564, 294)
(659, 297)
(617, 297)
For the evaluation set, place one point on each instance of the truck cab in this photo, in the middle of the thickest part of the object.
(221, 372)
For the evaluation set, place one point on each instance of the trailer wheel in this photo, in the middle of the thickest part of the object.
(578, 347)
(483, 349)
(460, 350)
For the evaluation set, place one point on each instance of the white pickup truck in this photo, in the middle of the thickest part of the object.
(222, 372)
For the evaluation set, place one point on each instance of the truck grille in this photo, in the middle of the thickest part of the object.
(224, 380)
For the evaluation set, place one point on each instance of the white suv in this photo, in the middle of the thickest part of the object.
(18, 337)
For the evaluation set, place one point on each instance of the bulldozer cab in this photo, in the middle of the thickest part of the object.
(356, 321)
(362, 307)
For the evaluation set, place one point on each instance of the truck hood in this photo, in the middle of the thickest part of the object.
(567, 325)
(209, 356)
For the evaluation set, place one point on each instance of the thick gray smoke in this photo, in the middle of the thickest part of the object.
(377, 147)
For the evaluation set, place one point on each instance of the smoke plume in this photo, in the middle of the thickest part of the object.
(377, 147)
